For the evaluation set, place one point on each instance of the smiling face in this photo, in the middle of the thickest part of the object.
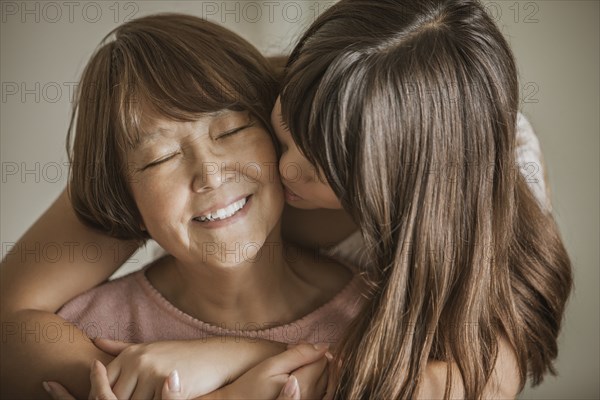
(304, 186)
(208, 190)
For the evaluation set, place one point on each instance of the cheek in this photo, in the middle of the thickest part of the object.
(327, 194)
(324, 196)
(293, 167)
(284, 162)
(257, 160)
(157, 200)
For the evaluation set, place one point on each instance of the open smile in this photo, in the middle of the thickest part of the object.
(224, 215)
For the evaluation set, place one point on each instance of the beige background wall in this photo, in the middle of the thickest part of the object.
(44, 46)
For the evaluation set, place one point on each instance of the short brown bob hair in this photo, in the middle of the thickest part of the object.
(172, 65)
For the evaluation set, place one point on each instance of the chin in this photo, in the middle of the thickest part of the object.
(302, 205)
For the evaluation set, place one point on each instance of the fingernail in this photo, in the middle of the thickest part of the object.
(47, 387)
(329, 356)
(291, 386)
(321, 346)
(173, 382)
(296, 394)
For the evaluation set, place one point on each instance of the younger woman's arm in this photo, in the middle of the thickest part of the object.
(39, 346)
(57, 259)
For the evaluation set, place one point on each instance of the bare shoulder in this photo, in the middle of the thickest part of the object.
(506, 381)
(503, 384)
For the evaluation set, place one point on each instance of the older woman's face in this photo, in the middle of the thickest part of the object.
(209, 190)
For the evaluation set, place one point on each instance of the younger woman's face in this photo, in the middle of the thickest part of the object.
(208, 190)
(304, 187)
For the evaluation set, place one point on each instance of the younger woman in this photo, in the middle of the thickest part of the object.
(407, 110)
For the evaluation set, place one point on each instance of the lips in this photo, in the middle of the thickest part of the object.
(290, 195)
(224, 211)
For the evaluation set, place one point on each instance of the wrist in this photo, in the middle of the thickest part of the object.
(219, 394)
(241, 354)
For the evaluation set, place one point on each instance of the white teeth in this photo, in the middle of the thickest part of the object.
(223, 213)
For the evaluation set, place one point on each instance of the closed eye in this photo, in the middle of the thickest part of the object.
(234, 131)
(158, 162)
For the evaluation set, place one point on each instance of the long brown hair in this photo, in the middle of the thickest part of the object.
(171, 65)
(409, 108)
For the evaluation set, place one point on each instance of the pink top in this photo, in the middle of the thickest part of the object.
(131, 309)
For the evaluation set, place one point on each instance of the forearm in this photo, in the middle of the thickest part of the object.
(57, 259)
(237, 359)
(205, 365)
(39, 346)
(233, 356)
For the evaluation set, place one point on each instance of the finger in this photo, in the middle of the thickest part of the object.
(322, 383)
(113, 371)
(329, 392)
(112, 347)
(294, 344)
(291, 390)
(144, 390)
(125, 384)
(294, 358)
(99, 380)
(57, 391)
(309, 377)
(171, 389)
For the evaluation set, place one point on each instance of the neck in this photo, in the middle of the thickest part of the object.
(244, 296)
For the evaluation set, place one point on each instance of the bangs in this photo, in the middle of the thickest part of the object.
(184, 72)
(163, 66)
(321, 106)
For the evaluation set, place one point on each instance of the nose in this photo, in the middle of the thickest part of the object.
(209, 175)
(296, 170)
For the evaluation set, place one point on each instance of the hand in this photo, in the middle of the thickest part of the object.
(139, 371)
(291, 390)
(101, 387)
(265, 381)
(313, 378)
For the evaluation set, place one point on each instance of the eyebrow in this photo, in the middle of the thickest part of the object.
(148, 136)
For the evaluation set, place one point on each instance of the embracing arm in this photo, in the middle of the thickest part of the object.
(38, 345)
(57, 259)
(264, 381)
(505, 382)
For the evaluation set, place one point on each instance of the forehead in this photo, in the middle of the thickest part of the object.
(157, 127)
